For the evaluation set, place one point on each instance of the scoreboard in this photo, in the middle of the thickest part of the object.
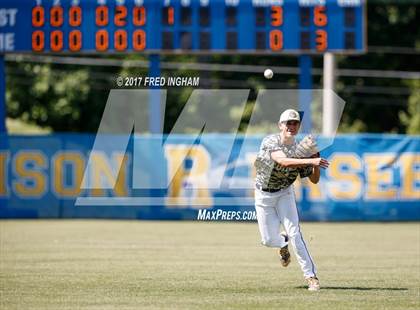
(182, 26)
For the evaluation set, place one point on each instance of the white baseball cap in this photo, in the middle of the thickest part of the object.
(289, 115)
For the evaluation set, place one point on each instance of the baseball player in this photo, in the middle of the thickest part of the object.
(277, 166)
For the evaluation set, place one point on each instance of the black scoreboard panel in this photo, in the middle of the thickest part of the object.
(219, 26)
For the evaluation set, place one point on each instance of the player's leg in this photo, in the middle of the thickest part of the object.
(268, 219)
(290, 219)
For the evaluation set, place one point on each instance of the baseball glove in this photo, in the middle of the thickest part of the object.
(307, 148)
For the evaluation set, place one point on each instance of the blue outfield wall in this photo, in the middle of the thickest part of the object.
(371, 177)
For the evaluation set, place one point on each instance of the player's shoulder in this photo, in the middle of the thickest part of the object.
(272, 139)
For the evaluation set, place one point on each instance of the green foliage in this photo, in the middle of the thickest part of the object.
(411, 118)
(16, 126)
(377, 104)
(63, 98)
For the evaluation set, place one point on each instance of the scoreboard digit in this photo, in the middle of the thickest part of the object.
(178, 26)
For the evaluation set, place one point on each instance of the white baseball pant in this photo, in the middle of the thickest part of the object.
(273, 209)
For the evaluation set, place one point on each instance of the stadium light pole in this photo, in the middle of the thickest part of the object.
(154, 103)
(329, 108)
(3, 129)
(305, 87)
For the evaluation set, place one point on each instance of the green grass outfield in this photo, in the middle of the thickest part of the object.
(203, 265)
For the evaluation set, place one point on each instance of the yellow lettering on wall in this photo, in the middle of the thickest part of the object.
(3, 173)
(378, 169)
(314, 190)
(102, 174)
(121, 186)
(196, 176)
(345, 184)
(77, 163)
(409, 176)
(31, 180)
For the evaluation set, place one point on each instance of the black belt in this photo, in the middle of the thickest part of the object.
(268, 190)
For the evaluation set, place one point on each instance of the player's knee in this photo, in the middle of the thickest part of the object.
(293, 236)
(293, 233)
(268, 242)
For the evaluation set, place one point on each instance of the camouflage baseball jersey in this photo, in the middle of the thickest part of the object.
(270, 175)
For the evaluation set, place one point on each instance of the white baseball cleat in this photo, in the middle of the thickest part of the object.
(313, 284)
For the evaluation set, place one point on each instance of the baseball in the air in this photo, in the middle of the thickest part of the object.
(268, 73)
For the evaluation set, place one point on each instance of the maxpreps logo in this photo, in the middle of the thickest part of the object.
(222, 215)
(165, 169)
